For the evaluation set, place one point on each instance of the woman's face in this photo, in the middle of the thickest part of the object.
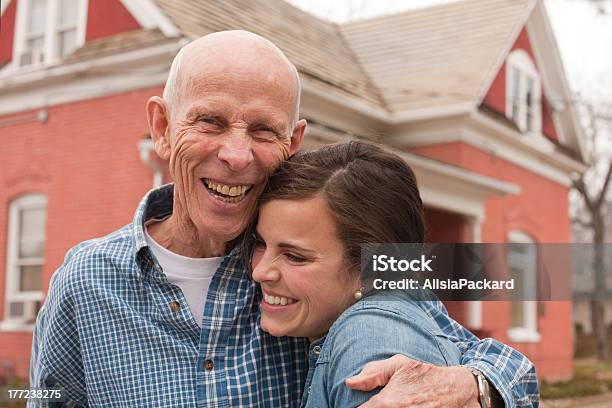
(299, 262)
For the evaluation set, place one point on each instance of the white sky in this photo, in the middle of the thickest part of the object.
(584, 36)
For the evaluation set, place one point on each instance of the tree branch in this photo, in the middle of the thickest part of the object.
(582, 223)
(604, 188)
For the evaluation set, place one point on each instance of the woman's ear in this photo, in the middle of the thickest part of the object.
(159, 126)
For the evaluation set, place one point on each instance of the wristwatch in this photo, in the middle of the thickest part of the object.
(484, 391)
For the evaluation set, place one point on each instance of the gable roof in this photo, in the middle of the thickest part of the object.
(436, 56)
(313, 45)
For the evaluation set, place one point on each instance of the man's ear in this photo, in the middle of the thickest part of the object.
(297, 136)
(159, 126)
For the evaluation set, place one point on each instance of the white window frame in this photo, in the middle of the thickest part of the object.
(12, 293)
(50, 37)
(528, 333)
(520, 60)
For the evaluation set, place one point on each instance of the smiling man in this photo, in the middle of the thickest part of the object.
(163, 312)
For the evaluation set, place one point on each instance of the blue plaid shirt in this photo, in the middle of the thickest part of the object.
(114, 332)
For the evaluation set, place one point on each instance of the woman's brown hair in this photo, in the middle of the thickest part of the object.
(372, 194)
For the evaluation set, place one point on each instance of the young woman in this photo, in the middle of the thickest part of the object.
(317, 210)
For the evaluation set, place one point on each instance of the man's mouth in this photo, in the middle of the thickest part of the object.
(227, 193)
(278, 300)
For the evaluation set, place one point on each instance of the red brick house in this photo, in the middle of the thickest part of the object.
(471, 94)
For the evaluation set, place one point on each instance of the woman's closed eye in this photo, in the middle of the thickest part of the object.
(295, 258)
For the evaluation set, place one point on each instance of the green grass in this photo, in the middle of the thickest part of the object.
(590, 378)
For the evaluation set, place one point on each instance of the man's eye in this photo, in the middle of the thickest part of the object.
(209, 120)
(295, 258)
(264, 132)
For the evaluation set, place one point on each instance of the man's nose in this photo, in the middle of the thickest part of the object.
(236, 150)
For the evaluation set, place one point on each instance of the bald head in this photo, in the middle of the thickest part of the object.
(231, 51)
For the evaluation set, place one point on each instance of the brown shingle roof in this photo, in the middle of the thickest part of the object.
(313, 45)
(436, 56)
(417, 59)
(130, 40)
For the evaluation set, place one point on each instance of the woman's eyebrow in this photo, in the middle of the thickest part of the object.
(286, 245)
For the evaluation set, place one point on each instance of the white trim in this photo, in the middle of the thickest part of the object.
(21, 22)
(441, 185)
(489, 185)
(82, 28)
(149, 15)
(50, 37)
(502, 55)
(89, 79)
(537, 149)
(146, 148)
(522, 335)
(474, 319)
(431, 113)
(536, 154)
(12, 293)
(15, 326)
(379, 114)
(4, 5)
(545, 49)
(355, 104)
(477, 229)
(529, 332)
(520, 61)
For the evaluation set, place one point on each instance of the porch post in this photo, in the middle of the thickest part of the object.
(474, 318)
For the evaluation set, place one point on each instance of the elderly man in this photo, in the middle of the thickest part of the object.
(163, 311)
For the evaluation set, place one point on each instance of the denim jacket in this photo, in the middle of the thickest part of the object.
(375, 328)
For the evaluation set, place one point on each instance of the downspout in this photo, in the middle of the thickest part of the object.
(147, 155)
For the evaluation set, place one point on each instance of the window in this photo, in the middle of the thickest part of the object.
(524, 93)
(522, 263)
(25, 259)
(48, 30)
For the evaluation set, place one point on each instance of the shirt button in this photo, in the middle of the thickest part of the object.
(175, 306)
(316, 350)
(209, 365)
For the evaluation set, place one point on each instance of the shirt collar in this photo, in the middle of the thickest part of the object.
(157, 203)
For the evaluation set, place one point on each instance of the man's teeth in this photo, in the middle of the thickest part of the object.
(278, 300)
(232, 191)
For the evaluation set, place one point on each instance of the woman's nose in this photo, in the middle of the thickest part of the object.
(264, 269)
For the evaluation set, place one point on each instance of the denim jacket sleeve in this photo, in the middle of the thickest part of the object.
(373, 331)
(56, 358)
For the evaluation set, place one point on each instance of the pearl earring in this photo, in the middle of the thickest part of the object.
(359, 294)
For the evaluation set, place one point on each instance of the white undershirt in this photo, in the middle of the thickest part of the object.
(192, 275)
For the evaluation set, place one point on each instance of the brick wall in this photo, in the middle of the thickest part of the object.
(541, 211)
(85, 159)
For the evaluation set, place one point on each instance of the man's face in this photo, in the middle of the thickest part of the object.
(230, 128)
